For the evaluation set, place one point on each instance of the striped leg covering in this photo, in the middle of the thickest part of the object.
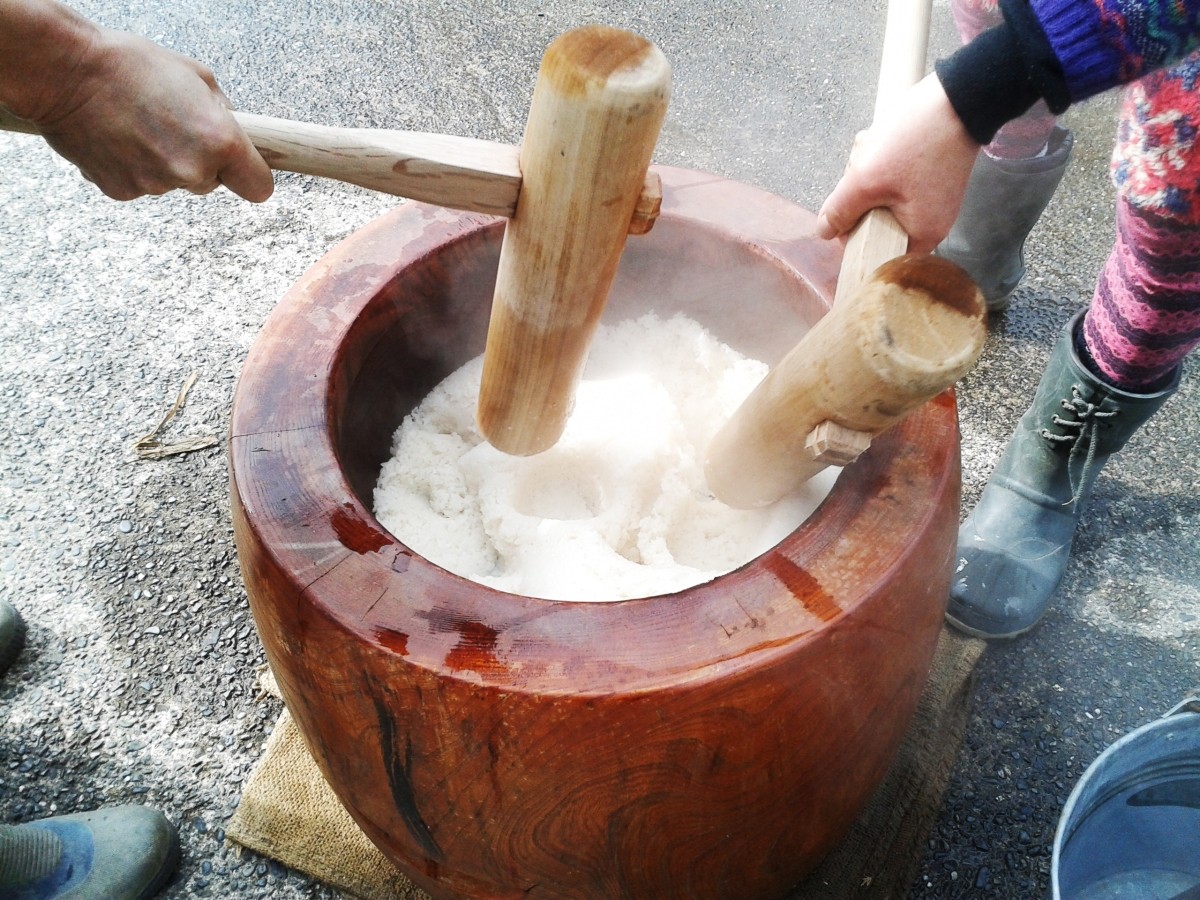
(1145, 315)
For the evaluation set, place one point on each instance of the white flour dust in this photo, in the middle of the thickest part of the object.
(618, 508)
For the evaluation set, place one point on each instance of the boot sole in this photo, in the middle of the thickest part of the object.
(985, 635)
(10, 652)
(165, 872)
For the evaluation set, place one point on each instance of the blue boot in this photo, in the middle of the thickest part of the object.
(118, 853)
(1013, 548)
(12, 635)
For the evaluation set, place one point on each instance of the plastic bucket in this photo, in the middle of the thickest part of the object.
(1131, 827)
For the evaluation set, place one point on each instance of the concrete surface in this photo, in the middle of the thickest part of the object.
(138, 684)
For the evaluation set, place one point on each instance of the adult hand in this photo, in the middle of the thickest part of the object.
(140, 119)
(915, 161)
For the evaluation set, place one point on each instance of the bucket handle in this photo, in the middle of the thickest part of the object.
(1189, 704)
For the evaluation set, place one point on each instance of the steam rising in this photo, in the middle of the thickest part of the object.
(618, 508)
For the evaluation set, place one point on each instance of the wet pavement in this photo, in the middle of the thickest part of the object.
(139, 681)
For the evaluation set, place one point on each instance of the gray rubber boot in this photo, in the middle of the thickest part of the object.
(1004, 200)
(12, 635)
(1013, 548)
(117, 853)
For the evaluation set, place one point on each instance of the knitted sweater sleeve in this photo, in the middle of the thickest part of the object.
(1103, 43)
(1063, 51)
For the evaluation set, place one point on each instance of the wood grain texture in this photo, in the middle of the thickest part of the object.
(599, 103)
(714, 743)
(458, 172)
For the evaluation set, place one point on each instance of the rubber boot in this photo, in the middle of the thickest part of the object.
(118, 853)
(1004, 200)
(12, 635)
(1013, 548)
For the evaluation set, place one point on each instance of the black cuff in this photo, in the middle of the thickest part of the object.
(1003, 72)
(986, 83)
(1041, 63)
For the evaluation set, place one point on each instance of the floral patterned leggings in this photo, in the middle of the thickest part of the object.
(1145, 315)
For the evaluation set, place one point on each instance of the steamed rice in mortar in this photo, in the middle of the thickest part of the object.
(618, 508)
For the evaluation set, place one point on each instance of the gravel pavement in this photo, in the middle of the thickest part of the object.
(138, 684)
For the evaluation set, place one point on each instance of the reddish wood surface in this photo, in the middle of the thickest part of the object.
(713, 743)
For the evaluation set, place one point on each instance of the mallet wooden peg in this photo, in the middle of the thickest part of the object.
(598, 105)
(836, 445)
(904, 337)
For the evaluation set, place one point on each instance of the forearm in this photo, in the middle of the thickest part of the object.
(135, 117)
(42, 46)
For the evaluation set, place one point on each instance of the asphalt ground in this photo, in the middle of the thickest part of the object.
(138, 684)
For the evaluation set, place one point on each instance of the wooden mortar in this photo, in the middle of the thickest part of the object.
(712, 743)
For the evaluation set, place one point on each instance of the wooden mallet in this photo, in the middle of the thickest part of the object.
(884, 349)
(597, 108)
(576, 187)
(445, 170)
(904, 337)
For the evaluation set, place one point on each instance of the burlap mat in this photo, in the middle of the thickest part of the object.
(290, 814)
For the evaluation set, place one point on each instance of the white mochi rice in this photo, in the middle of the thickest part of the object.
(618, 508)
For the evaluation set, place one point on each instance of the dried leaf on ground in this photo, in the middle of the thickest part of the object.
(150, 446)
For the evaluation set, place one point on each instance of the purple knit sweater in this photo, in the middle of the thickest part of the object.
(1103, 43)
(1063, 51)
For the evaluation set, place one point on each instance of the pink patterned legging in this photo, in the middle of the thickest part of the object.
(1145, 315)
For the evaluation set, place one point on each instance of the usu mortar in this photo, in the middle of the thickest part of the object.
(714, 742)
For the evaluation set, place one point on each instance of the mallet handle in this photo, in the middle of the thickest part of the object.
(458, 172)
(878, 237)
(462, 173)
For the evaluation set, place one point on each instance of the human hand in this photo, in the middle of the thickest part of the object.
(915, 161)
(140, 119)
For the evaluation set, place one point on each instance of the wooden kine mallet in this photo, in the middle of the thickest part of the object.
(576, 187)
(885, 348)
(904, 337)
(597, 108)
(442, 169)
